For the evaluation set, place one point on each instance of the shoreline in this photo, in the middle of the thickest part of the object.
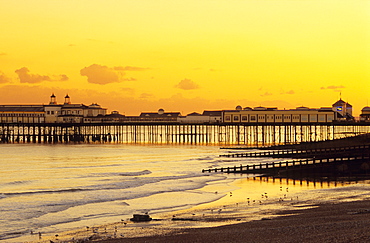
(228, 211)
(328, 222)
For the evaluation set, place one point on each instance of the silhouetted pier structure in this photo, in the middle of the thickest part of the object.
(324, 158)
(174, 133)
(314, 166)
(306, 153)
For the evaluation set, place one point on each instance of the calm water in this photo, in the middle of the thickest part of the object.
(54, 188)
(58, 187)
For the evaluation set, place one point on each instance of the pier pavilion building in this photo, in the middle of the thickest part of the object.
(205, 117)
(343, 110)
(22, 114)
(274, 115)
(71, 113)
(365, 114)
(161, 115)
(51, 113)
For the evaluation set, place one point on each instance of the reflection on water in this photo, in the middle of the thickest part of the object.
(60, 187)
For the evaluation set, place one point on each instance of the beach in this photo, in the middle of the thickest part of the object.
(329, 222)
(90, 192)
(307, 212)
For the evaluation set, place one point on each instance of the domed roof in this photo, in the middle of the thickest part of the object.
(238, 108)
(340, 102)
(303, 108)
(260, 108)
(366, 108)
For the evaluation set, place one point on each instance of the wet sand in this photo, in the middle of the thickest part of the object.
(271, 213)
(342, 222)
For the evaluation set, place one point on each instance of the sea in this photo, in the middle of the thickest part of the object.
(50, 188)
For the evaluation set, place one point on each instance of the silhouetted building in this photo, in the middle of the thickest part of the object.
(365, 114)
(161, 115)
(273, 115)
(343, 110)
(22, 114)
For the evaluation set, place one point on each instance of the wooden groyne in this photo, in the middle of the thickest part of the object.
(340, 165)
(306, 153)
(318, 158)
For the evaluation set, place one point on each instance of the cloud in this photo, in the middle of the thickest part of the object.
(333, 87)
(129, 79)
(63, 77)
(2, 53)
(99, 74)
(187, 84)
(266, 94)
(130, 68)
(3, 78)
(26, 77)
(288, 92)
(146, 96)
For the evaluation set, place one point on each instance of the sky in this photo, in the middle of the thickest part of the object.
(188, 56)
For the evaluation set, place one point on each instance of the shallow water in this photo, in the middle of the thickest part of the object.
(59, 187)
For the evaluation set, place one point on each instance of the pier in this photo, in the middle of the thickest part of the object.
(173, 133)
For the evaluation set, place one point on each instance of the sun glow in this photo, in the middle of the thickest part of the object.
(186, 56)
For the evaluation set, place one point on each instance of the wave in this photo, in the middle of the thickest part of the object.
(139, 173)
(44, 192)
(128, 183)
(16, 182)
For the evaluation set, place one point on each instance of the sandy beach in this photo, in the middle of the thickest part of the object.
(342, 222)
(284, 213)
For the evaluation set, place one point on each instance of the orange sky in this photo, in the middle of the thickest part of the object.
(193, 55)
